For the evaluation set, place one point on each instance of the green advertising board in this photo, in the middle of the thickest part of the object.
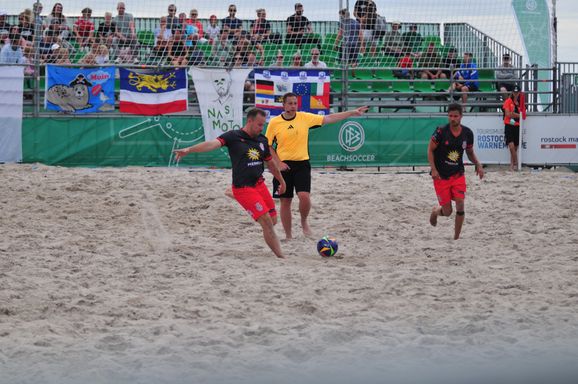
(149, 141)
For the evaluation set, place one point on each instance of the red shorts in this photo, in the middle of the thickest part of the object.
(450, 189)
(256, 200)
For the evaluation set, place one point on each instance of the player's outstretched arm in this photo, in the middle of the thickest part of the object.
(207, 146)
(474, 159)
(337, 117)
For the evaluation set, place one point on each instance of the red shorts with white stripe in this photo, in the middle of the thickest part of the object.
(256, 200)
(450, 189)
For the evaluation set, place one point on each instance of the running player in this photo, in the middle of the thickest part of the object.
(288, 136)
(445, 155)
(248, 150)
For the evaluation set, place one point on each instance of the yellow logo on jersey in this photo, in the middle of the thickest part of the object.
(454, 156)
(253, 154)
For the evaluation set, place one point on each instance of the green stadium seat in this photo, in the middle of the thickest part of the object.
(146, 38)
(422, 85)
(385, 74)
(381, 86)
(402, 86)
(441, 85)
(359, 86)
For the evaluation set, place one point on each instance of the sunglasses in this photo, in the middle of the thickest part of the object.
(194, 14)
(232, 10)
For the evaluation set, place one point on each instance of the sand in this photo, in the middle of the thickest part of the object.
(142, 275)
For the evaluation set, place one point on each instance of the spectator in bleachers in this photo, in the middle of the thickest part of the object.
(404, 65)
(4, 25)
(505, 75)
(430, 63)
(298, 28)
(190, 32)
(83, 29)
(56, 22)
(365, 11)
(260, 28)
(173, 21)
(26, 27)
(163, 36)
(351, 38)
(98, 55)
(466, 79)
(450, 62)
(315, 62)
(242, 46)
(28, 51)
(232, 24)
(11, 52)
(213, 30)
(279, 59)
(178, 50)
(195, 22)
(222, 50)
(61, 56)
(106, 30)
(49, 39)
(393, 42)
(296, 59)
(413, 40)
(125, 40)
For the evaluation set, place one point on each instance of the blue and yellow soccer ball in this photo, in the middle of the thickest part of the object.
(327, 246)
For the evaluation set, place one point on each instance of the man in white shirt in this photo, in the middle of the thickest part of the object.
(11, 52)
(315, 62)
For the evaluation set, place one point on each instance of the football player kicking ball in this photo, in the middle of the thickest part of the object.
(445, 156)
(248, 150)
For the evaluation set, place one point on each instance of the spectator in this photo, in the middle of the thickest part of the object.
(513, 109)
(412, 40)
(221, 50)
(466, 79)
(351, 38)
(450, 63)
(195, 22)
(506, 75)
(393, 42)
(190, 31)
(242, 47)
(231, 24)
(83, 29)
(315, 62)
(56, 21)
(49, 39)
(213, 30)
(299, 28)
(365, 11)
(106, 30)
(26, 27)
(98, 55)
(430, 63)
(404, 66)
(11, 52)
(61, 56)
(260, 28)
(279, 59)
(28, 52)
(163, 36)
(178, 51)
(296, 60)
(173, 21)
(125, 39)
(4, 25)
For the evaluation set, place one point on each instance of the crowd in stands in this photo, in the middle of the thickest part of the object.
(181, 39)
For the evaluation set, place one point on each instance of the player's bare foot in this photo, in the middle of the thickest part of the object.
(307, 232)
(433, 218)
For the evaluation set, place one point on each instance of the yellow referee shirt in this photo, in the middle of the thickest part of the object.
(292, 136)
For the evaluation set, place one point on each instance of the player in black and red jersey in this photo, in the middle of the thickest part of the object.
(445, 155)
(249, 150)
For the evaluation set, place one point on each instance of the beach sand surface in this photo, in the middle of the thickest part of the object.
(142, 275)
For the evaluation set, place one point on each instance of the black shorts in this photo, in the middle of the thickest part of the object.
(512, 134)
(297, 177)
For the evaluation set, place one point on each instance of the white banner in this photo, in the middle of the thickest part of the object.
(12, 79)
(220, 94)
(547, 139)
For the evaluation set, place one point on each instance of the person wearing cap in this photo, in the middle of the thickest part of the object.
(505, 75)
(213, 30)
(393, 42)
(11, 52)
(513, 109)
(298, 27)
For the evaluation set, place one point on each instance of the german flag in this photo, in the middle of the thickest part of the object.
(266, 87)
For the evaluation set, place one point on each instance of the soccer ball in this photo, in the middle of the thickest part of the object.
(327, 246)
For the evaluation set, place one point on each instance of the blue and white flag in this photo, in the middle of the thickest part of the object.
(77, 90)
